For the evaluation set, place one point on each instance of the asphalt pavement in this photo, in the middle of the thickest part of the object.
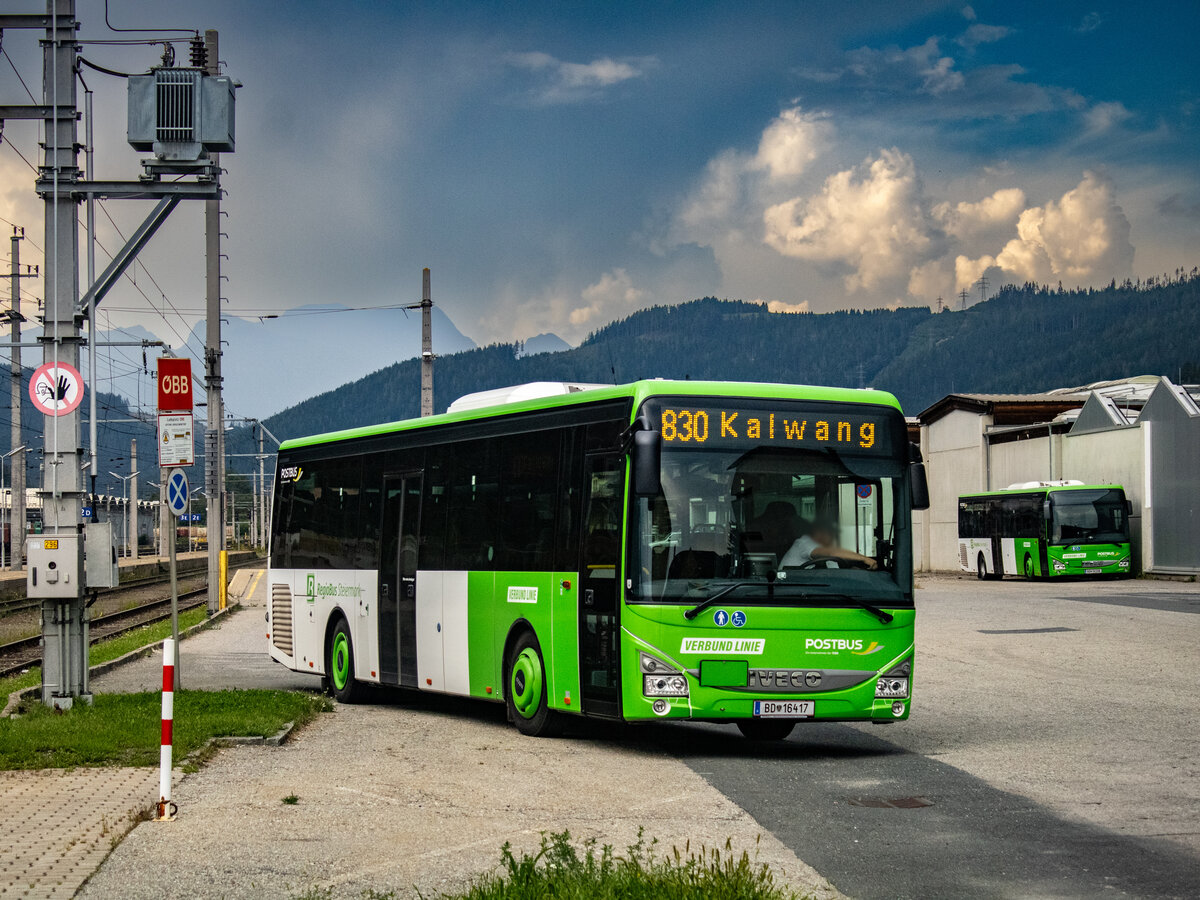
(1050, 753)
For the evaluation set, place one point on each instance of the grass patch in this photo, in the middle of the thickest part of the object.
(109, 649)
(124, 729)
(559, 870)
(291, 799)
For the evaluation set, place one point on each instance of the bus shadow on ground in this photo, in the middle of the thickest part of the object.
(836, 793)
(808, 741)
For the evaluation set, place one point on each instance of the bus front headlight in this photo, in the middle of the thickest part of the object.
(894, 682)
(667, 685)
(889, 686)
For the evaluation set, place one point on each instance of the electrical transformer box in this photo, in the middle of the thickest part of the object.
(180, 114)
(100, 556)
(54, 566)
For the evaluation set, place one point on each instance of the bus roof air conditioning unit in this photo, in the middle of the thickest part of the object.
(181, 115)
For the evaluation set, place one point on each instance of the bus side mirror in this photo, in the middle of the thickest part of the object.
(647, 460)
(920, 485)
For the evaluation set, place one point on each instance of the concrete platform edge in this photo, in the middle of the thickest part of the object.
(100, 668)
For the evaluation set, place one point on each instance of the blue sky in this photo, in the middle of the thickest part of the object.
(559, 165)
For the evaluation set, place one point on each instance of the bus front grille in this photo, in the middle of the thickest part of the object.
(281, 618)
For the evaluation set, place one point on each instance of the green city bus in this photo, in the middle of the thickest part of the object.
(638, 552)
(1045, 529)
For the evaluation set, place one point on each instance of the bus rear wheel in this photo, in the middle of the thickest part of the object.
(981, 568)
(339, 665)
(527, 690)
(765, 729)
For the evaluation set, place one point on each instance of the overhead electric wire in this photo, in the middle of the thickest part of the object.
(106, 71)
(18, 74)
(112, 27)
(9, 143)
(138, 287)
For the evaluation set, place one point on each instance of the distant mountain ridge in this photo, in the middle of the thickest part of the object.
(1024, 339)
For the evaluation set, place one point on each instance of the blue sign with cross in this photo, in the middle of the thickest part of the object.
(177, 492)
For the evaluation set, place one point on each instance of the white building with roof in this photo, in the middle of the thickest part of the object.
(1142, 433)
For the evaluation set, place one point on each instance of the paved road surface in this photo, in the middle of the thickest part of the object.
(1053, 734)
(1053, 731)
(406, 790)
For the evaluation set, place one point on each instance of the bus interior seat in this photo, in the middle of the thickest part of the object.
(774, 531)
(698, 564)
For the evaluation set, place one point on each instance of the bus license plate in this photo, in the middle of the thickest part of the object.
(784, 709)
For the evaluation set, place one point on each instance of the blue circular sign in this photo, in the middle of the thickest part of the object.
(738, 618)
(177, 492)
(721, 618)
(863, 491)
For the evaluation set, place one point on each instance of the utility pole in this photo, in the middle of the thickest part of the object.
(133, 503)
(64, 627)
(426, 346)
(983, 286)
(17, 507)
(262, 494)
(214, 436)
(962, 295)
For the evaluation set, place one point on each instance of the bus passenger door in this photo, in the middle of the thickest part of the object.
(398, 580)
(598, 589)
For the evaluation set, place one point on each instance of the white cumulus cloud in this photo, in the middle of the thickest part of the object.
(612, 296)
(1082, 237)
(871, 220)
(791, 143)
(736, 185)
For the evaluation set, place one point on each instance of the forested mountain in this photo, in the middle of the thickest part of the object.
(1024, 339)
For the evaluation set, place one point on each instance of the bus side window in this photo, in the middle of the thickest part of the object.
(528, 492)
(570, 500)
(366, 555)
(433, 510)
(325, 503)
(473, 511)
(282, 535)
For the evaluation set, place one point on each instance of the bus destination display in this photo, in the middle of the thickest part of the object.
(711, 426)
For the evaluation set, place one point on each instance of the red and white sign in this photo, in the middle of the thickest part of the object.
(56, 389)
(174, 384)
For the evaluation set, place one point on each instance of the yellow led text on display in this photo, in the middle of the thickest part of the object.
(698, 426)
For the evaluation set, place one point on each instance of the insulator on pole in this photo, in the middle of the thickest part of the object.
(199, 53)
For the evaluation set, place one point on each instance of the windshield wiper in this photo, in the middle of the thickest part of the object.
(709, 601)
(882, 615)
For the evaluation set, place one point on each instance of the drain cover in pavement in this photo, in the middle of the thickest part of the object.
(1025, 630)
(900, 803)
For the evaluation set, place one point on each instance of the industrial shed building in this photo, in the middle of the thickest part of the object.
(1143, 433)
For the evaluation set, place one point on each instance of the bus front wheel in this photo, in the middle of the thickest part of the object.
(981, 568)
(765, 729)
(527, 689)
(339, 664)
(1028, 566)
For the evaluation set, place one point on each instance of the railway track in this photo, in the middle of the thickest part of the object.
(20, 604)
(25, 652)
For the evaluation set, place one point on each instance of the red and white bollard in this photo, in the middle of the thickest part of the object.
(167, 809)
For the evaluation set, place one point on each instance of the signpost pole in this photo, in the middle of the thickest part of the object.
(178, 493)
(174, 598)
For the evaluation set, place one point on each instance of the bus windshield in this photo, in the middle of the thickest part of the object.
(789, 516)
(1094, 517)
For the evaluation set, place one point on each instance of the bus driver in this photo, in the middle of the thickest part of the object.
(821, 544)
